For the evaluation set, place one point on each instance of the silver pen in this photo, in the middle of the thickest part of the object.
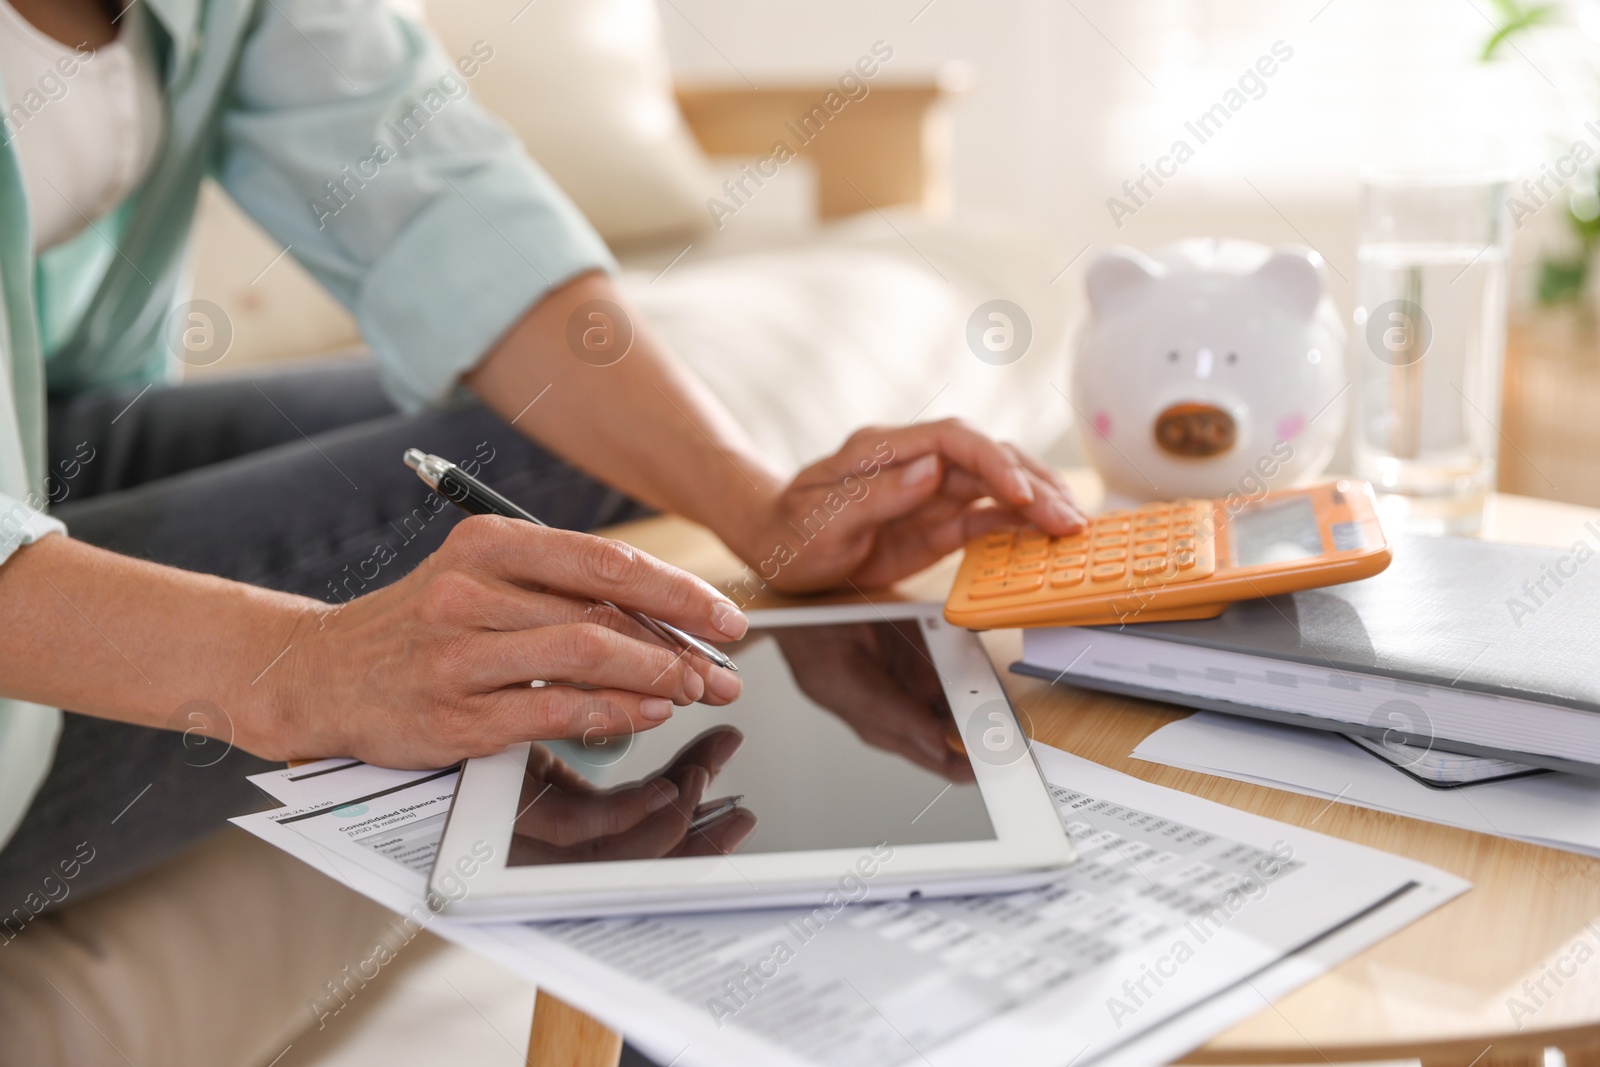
(723, 807)
(471, 495)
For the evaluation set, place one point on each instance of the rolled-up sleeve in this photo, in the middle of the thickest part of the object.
(350, 136)
(22, 524)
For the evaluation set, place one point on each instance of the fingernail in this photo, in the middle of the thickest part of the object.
(663, 791)
(694, 687)
(1061, 510)
(729, 620)
(919, 471)
(1021, 485)
(725, 685)
(655, 709)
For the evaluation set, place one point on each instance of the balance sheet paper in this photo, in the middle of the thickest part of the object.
(1181, 918)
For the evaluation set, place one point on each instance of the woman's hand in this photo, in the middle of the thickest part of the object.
(881, 690)
(437, 667)
(893, 501)
(565, 819)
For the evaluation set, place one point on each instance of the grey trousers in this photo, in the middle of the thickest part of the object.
(290, 479)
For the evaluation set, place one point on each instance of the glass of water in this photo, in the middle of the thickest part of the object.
(1429, 347)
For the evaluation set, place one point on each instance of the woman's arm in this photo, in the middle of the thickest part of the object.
(421, 673)
(442, 245)
(121, 638)
(890, 502)
(643, 424)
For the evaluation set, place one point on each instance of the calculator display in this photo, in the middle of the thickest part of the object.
(1279, 532)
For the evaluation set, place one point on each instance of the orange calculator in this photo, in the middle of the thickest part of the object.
(1187, 559)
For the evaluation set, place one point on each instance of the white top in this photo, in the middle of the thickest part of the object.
(86, 123)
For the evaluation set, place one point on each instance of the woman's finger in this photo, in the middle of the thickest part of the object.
(655, 836)
(1054, 508)
(711, 750)
(595, 568)
(582, 653)
(1000, 471)
(481, 601)
(922, 539)
(1045, 471)
(523, 713)
(965, 446)
(720, 837)
(566, 819)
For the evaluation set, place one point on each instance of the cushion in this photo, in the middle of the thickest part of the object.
(218, 958)
(586, 85)
(865, 323)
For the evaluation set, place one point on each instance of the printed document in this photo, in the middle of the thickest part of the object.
(1180, 916)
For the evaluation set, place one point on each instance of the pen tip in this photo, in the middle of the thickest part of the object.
(414, 457)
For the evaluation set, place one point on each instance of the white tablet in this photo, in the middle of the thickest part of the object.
(872, 755)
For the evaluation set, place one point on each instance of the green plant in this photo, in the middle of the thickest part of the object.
(1515, 18)
(1563, 278)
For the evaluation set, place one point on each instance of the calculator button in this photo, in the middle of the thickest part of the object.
(989, 574)
(1063, 578)
(1032, 566)
(1074, 541)
(1151, 509)
(1117, 513)
(1033, 552)
(1144, 522)
(1071, 559)
(1111, 541)
(1033, 539)
(992, 558)
(1184, 544)
(1150, 566)
(1109, 555)
(1150, 533)
(1185, 560)
(1183, 530)
(1001, 539)
(1026, 583)
(1106, 571)
(1150, 548)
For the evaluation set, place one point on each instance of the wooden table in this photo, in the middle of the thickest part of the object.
(1437, 991)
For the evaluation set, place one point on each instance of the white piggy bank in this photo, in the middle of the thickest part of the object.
(1207, 369)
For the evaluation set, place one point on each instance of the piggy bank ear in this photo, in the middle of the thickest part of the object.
(1293, 278)
(1118, 275)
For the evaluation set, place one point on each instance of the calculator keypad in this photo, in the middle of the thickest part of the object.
(1154, 545)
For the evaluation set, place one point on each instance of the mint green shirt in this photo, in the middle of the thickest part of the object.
(346, 132)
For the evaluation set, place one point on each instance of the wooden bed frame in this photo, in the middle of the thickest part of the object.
(890, 147)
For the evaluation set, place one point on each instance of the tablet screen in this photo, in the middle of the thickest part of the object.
(843, 738)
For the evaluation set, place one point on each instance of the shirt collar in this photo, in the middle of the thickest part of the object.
(181, 21)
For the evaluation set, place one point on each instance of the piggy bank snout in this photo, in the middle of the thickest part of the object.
(1195, 431)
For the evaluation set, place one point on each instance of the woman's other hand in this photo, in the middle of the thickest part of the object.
(438, 666)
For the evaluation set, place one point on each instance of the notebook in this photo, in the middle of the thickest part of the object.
(1461, 645)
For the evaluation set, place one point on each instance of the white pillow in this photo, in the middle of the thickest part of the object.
(806, 343)
(586, 85)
